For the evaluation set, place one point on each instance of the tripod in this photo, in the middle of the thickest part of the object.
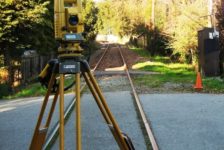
(76, 65)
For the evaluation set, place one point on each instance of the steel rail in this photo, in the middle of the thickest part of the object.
(140, 108)
(98, 63)
(55, 130)
(137, 100)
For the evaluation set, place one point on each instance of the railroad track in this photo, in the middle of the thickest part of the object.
(140, 108)
(123, 66)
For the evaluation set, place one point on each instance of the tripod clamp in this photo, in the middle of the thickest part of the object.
(66, 65)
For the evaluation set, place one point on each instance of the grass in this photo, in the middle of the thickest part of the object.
(140, 51)
(172, 73)
(213, 85)
(167, 73)
(31, 90)
(34, 89)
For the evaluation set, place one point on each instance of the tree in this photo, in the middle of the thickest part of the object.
(21, 27)
(220, 18)
(90, 13)
(119, 17)
(186, 20)
(109, 21)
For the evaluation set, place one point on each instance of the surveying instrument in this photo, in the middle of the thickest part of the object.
(69, 26)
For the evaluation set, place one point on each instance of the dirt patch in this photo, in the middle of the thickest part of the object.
(95, 58)
(113, 59)
(132, 58)
(113, 83)
(166, 88)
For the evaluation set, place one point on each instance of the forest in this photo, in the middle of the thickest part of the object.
(167, 27)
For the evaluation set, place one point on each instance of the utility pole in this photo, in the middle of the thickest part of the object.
(153, 14)
(210, 13)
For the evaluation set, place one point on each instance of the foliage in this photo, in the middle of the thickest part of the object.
(171, 68)
(140, 51)
(31, 90)
(25, 17)
(44, 41)
(171, 76)
(24, 24)
(162, 65)
(176, 24)
(34, 89)
(165, 73)
(220, 18)
(213, 85)
(90, 13)
(3, 75)
(119, 17)
(157, 43)
(109, 21)
(4, 89)
(28, 24)
(187, 20)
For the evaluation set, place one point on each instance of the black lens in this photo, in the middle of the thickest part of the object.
(73, 20)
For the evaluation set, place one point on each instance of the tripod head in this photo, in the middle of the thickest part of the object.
(68, 25)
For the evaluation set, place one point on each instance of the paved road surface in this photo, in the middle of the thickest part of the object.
(17, 122)
(179, 121)
(18, 119)
(186, 121)
(96, 134)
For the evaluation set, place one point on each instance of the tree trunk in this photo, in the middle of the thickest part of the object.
(7, 63)
(153, 15)
(221, 55)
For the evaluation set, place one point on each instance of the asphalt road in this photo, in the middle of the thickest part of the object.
(186, 121)
(96, 134)
(179, 122)
(18, 119)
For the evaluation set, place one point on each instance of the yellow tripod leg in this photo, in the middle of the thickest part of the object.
(78, 114)
(103, 101)
(40, 133)
(61, 111)
(52, 109)
(99, 104)
(96, 97)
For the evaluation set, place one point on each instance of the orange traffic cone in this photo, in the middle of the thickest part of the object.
(198, 84)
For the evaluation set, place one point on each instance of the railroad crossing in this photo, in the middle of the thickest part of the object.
(171, 123)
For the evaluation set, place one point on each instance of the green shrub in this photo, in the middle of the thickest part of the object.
(4, 90)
